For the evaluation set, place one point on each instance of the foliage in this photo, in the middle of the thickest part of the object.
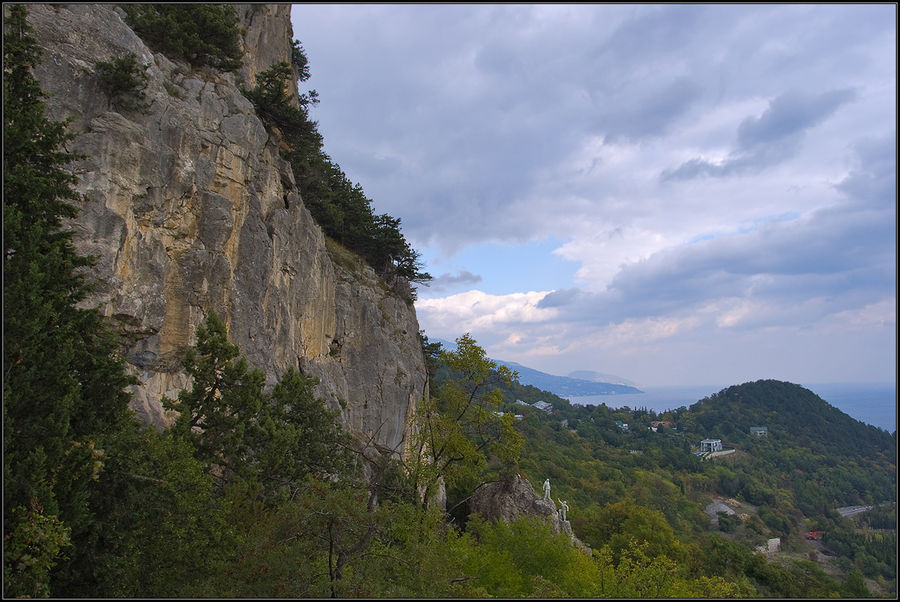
(299, 61)
(123, 80)
(624, 526)
(458, 431)
(272, 99)
(31, 550)
(873, 552)
(217, 413)
(64, 385)
(201, 34)
(245, 434)
(823, 457)
(156, 507)
(340, 207)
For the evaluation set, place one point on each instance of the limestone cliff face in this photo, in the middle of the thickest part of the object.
(189, 208)
(513, 498)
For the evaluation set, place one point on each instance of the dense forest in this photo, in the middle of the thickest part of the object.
(259, 492)
(786, 484)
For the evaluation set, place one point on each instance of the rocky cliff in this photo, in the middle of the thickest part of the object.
(189, 207)
(513, 497)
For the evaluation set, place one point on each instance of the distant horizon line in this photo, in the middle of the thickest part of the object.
(725, 386)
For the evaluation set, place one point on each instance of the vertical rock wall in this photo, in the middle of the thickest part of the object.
(189, 208)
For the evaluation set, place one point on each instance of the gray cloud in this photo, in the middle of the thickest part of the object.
(448, 281)
(651, 114)
(873, 181)
(561, 298)
(500, 123)
(770, 138)
(444, 112)
(843, 256)
(789, 115)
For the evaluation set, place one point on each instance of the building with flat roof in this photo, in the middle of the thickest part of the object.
(544, 406)
(711, 445)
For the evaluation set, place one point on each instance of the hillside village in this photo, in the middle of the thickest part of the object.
(706, 449)
(737, 516)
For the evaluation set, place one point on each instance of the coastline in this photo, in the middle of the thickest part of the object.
(871, 403)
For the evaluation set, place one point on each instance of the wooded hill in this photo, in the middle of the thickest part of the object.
(793, 416)
(813, 460)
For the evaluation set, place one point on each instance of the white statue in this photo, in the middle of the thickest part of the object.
(547, 491)
(562, 511)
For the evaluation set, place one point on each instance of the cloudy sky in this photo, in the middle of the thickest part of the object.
(675, 194)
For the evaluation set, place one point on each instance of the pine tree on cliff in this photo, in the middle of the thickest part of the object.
(63, 387)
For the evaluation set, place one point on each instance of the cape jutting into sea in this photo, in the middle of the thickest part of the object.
(872, 403)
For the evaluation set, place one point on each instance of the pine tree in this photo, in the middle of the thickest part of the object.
(63, 386)
(202, 34)
(243, 433)
(226, 396)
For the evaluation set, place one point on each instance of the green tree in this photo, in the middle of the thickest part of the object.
(156, 506)
(274, 102)
(217, 414)
(123, 80)
(243, 433)
(459, 430)
(854, 586)
(296, 436)
(64, 385)
(201, 34)
(625, 526)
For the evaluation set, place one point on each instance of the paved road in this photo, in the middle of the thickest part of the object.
(853, 510)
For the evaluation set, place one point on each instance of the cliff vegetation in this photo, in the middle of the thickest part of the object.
(266, 489)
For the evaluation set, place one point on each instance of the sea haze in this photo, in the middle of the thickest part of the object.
(872, 403)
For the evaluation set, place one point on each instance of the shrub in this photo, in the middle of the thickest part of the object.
(123, 80)
(201, 34)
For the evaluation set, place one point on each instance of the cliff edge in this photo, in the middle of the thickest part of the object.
(189, 208)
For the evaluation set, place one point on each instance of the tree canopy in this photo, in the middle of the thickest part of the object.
(63, 384)
(201, 34)
(340, 207)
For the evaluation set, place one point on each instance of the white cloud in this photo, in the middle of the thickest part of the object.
(475, 311)
(491, 126)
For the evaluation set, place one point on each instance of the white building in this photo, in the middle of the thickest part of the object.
(516, 416)
(759, 431)
(544, 406)
(772, 547)
(711, 445)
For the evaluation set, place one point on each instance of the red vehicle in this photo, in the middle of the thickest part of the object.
(815, 534)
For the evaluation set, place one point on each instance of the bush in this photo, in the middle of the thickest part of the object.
(123, 80)
(201, 34)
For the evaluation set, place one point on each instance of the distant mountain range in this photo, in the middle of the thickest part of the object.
(566, 386)
(580, 383)
(601, 378)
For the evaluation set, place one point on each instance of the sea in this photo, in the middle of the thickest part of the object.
(871, 403)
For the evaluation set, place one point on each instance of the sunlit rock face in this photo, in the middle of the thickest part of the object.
(189, 207)
(514, 497)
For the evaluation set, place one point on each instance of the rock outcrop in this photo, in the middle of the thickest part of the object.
(514, 497)
(189, 208)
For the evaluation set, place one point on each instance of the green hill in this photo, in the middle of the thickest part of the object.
(813, 460)
(825, 457)
(793, 416)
